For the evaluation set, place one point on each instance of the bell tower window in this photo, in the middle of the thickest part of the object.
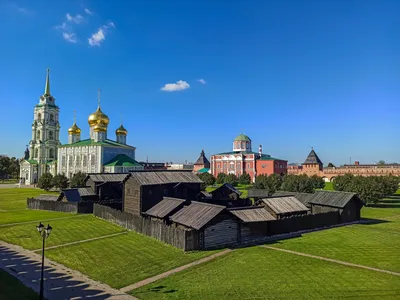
(51, 135)
(38, 134)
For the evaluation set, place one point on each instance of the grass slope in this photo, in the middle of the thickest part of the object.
(64, 231)
(259, 273)
(15, 198)
(12, 289)
(123, 260)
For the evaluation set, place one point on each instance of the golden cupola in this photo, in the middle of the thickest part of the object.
(100, 127)
(98, 117)
(121, 131)
(74, 129)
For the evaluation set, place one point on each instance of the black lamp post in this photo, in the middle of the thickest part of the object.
(44, 233)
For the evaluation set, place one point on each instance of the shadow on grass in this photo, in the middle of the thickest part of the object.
(385, 204)
(368, 221)
(57, 285)
(158, 289)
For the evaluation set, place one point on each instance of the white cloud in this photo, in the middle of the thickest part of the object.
(20, 9)
(63, 26)
(89, 12)
(202, 81)
(178, 86)
(70, 37)
(98, 37)
(77, 19)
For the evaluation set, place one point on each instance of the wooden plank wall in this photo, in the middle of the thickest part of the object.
(61, 206)
(221, 232)
(183, 239)
(132, 195)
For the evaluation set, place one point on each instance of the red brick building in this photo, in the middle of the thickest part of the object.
(243, 160)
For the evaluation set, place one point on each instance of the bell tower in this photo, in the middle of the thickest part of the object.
(45, 130)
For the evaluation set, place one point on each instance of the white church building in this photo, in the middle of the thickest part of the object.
(97, 154)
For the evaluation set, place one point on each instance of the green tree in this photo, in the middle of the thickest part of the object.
(60, 181)
(4, 166)
(45, 181)
(232, 179)
(221, 178)
(381, 163)
(297, 183)
(317, 182)
(207, 178)
(13, 169)
(244, 178)
(261, 182)
(78, 180)
(274, 183)
(342, 183)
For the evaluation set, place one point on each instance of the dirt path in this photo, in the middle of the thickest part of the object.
(60, 282)
(173, 271)
(333, 260)
(82, 241)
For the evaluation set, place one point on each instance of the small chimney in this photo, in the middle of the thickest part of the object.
(260, 150)
(357, 163)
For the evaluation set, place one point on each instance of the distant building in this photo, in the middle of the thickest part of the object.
(243, 160)
(202, 164)
(153, 165)
(313, 166)
(186, 166)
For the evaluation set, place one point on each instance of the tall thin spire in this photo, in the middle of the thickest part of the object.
(98, 97)
(74, 116)
(47, 88)
(121, 119)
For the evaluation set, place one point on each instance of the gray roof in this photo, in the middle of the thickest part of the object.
(107, 177)
(164, 207)
(202, 160)
(196, 214)
(258, 193)
(333, 198)
(283, 205)
(164, 177)
(47, 197)
(313, 158)
(228, 186)
(304, 198)
(76, 194)
(252, 214)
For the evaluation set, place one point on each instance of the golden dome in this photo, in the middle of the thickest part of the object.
(99, 127)
(98, 117)
(74, 129)
(121, 130)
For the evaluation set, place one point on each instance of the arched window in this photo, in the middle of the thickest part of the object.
(63, 161)
(36, 153)
(84, 161)
(78, 160)
(51, 118)
(70, 160)
(51, 153)
(92, 160)
(50, 135)
(39, 116)
(38, 135)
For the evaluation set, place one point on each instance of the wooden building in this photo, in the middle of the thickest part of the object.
(46, 197)
(347, 204)
(284, 207)
(85, 194)
(144, 189)
(226, 192)
(216, 226)
(253, 222)
(165, 208)
(304, 198)
(107, 186)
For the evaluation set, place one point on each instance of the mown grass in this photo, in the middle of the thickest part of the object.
(328, 186)
(64, 231)
(375, 244)
(15, 198)
(122, 260)
(12, 289)
(259, 273)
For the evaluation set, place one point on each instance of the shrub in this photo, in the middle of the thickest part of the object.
(78, 180)
(232, 179)
(60, 181)
(45, 182)
(221, 178)
(244, 179)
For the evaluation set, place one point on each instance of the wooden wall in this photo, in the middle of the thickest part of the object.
(132, 194)
(67, 207)
(251, 231)
(221, 231)
(179, 237)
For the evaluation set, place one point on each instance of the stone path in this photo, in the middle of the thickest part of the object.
(60, 281)
(333, 260)
(173, 271)
(82, 241)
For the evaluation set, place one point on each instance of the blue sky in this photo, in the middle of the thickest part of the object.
(290, 74)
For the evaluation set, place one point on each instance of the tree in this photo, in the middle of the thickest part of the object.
(244, 179)
(207, 178)
(317, 182)
(45, 181)
(221, 178)
(60, 181)
(78, 180)
(13, 169)
(232, 179)
(274, 183)
(297, 183)
(4, 166)
(261, 182)
(381, 163)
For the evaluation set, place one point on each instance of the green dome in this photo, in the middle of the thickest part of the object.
(242, 138)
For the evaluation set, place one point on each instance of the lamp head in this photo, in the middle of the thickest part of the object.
(48, 229)
(40, 227)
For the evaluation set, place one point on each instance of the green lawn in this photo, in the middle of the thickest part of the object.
(64, 231)
(259, 273)
(123, 260)
(15, 198)
(328, 186)
(12, 289)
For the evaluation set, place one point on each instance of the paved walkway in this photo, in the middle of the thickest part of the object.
(60, 281)
(82, 241)
(333, 260)
(173, 271)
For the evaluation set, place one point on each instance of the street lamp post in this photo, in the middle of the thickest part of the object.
(44, 233)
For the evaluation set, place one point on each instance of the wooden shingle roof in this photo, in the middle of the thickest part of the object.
(47, 197)
(78, 194)
(252, 214)
(229, 187)
(164, 207)
(107, 177)
(164, 177)
(283, 205)
(333, 198)
(196, 214)
(304, 198)
(257, 193)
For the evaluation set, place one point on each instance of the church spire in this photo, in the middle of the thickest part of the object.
(47, 88)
